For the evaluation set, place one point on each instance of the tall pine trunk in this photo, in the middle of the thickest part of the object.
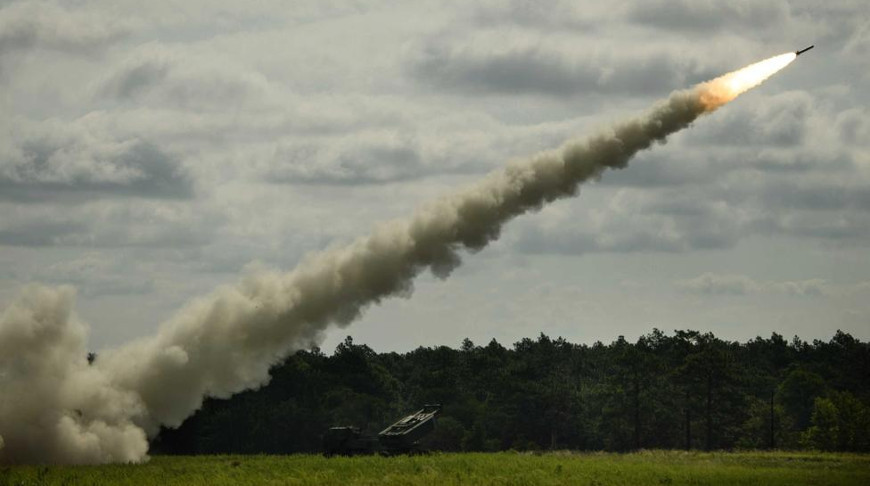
(708, 415)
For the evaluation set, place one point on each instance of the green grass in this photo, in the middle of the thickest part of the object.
(593, 469)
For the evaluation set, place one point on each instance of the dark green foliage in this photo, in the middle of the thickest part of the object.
(840, 422)
(688, 390)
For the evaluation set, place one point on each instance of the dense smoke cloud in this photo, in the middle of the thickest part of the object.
(55, 407)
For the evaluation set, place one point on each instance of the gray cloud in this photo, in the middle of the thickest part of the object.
(714, 205)
(136, 78)
(819, 196)
(720, 284)
(846, 228)
(100, 224)
(780, 121)
(704, 16)
(57, 162)
(791, 163)
(579, 242)
(840, 25)
(377, 159)
(149, 225)
(710, 283)
(853, 126)
(548, 16)
(159, 76)
(737, 173)
(635, 222)
(97, 275)
(858, 44)
(663, 168)
(528, 63)
(26, 25)
(37, 233)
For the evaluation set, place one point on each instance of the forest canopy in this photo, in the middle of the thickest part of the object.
(687, 390)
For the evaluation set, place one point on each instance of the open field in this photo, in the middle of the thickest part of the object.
(593, 469)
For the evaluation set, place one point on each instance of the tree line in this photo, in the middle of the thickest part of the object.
(688, 390)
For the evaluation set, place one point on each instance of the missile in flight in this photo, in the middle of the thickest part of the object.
(798, 53)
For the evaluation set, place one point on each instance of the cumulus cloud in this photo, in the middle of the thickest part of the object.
(665, 168)
(96, 275)
(130, 224)
(36, 232)
(633, 222)
(159, 76)
(840, 25)
(521, 62)
(136, 77)
(710, 283)
(27, 25)
(558, 14)
(714, 206)
(704, 16)
(723, 284)
(853, 126)
(377, 157)
(54, 160)
(782, 120)
(843, 228)
(817, 196)
(858, 44)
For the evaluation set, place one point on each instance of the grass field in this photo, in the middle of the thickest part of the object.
(595, 469)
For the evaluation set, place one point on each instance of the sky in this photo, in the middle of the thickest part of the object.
(153, 152)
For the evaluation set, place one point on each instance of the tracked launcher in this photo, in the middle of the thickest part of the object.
(402, 437)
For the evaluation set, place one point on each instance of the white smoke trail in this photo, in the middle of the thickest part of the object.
(55, 407)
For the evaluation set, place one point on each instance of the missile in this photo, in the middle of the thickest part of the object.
(798, 53)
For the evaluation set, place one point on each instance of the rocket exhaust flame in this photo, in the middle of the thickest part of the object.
(723, 89)
(55, 407)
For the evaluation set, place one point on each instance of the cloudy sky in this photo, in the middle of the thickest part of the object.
(151, 152)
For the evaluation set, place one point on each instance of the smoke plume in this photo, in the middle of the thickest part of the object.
(57, 408)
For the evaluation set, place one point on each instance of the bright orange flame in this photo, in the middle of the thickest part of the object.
(723, 89)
